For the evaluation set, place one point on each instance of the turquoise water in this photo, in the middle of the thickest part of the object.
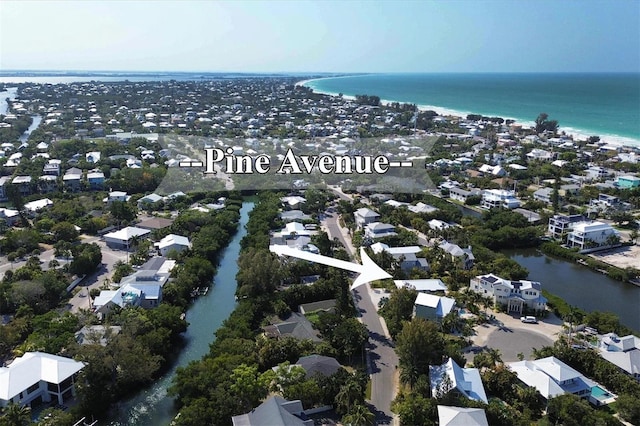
(597, 392)
(607, 105)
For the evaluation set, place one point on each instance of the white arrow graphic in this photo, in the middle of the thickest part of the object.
(368, 271)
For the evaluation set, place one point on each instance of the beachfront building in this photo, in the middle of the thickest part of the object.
(465, 381)
(560, 225)
(628, 182)
(492, 198)
(592, 236)
(623, 352)
(513, 295)
(38, 377)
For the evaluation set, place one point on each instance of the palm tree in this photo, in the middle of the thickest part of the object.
(495, 357)
(349, 393)
(409, 375)
(16, 415)
(359, 416)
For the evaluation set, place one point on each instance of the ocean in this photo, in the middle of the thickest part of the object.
(606, 105)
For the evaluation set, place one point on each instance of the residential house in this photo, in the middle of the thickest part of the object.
(628, 182)
(432, 307)
(9, 216)
(544, 194)
(465, 381)
(120, 196)
(23, 183)
(72, 179)
(623, 352)
(464, 256)
(275, 411)
(3, 187)
(148, 201)
(47, 183)
(492, 198)
(293, 202)
(155, 223)
(52, 168)
(293, 216)
(462, 195)
(296, 326)
(173, 242)
(97, 334)
(608, 202)
(427, 285)
(551, 377)
(95, 179)
(145, 295)
(124, 238)
(406, 256)
(38, 377)
(36, 206)
(328, 305)
(561, 225)
(318, 365)
(421, 208)
(457, 416)
(364, 216)
(597, 173)
(514, 295)
(592, 236)
(377, 230)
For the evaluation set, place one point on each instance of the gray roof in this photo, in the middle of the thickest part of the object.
(298, 326)
(275, 411)
(318, 364)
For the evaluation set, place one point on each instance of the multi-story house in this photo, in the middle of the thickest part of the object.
(560, 225)
(71, 179)
(95, 179)
(365, 216)
(492, 198)
(514, 295)
(592, 236)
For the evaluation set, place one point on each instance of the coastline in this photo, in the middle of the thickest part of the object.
(575, 133)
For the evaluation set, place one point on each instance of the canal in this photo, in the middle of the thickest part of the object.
(582, 287)
(152, 406)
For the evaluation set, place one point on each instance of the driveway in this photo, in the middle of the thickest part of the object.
(511, 336)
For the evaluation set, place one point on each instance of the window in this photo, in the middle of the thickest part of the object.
(33, 388)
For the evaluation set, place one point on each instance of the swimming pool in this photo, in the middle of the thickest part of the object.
(599, 393)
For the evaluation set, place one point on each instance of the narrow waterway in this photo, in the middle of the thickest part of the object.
(36, 120)
(582, 287)
(10, 93)
(153, 406)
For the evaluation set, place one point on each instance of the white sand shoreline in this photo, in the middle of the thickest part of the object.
(576, 134)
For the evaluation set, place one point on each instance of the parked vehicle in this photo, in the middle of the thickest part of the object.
(529, 320)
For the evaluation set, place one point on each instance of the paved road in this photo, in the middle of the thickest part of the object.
(381, 357)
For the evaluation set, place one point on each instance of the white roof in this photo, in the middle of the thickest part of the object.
(365, 212)
(466, 380)
(422, 285)
(456, 416)
(535, 378)
(442, 305)
(33, 367)
(38, 204)
(173, 239)
(125, 234)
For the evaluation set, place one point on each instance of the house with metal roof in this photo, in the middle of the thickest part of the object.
(457, 416)
(38, 377)
(275, 411)
(432, 307)
(465, 381)
(623, 352)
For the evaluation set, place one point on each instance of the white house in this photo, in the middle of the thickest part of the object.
(38, 376)
(123, 238)
(552, 377)
(459, 254)
(492, 198)
(512, 294)
(457, 416)
(560, 225)
(427, 285)
(146, 295)
(173, 242)
(465, 381)
(117, 196)
(432, 307)
(592, 236)
(623, 352)
(34, 207)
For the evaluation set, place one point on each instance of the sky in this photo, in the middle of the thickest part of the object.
(321, 36)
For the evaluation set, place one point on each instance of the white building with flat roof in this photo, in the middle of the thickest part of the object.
(592, 236)
(514, 295)
(492, 198)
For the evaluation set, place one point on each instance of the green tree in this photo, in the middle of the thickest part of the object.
(64, 231)
(15, 415)
(628, 408)
(359, 415)
(419, 345)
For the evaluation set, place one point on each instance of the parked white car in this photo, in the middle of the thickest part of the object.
(529, 320)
